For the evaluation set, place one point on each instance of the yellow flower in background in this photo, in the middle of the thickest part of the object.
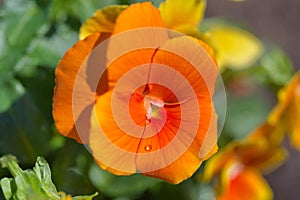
(235, 48)
(266, 153)
(287, 112)
(183, 16)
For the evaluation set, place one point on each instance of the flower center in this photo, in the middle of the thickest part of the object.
(147, 105)
(152, 106)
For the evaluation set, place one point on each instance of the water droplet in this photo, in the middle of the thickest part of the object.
(148, 147)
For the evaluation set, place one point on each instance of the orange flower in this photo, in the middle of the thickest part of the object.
(237, 167)
(261, 150)
(286, 113)
(236, 177)
(241, 182)
(140, 100)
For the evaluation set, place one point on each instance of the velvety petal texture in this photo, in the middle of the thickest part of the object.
(103, 21)
(152, 112)
(65, 74)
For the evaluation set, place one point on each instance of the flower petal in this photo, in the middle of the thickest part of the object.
(197, 65)
(112, 148)
(171, 54)
(178, 13)
(285, 99)
(103, 21)
(215, 165)
(244, 183)
(235, 48)
(295, 136)
(138, 16)
(185, 166)
(292, 119)
(286, 113)
(125, 144)
(261, 150)
(66, 73)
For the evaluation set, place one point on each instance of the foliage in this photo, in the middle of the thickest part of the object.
(30, 184)
(34, 35)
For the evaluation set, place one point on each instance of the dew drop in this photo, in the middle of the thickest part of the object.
(148, 147)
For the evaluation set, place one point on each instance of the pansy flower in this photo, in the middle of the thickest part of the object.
(238, 167)
(261, 151)
(243, 182)
(138, 95)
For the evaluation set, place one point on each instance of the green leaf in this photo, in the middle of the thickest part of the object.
(21, 21)
(25, 20)
(48, 51)
(89, 197)
(24, 131)
(7, 187)
(43, 172)
(244, 113)
(8, 57)
(3, 42)
(28, 187)
(120, 186)
(70, 169)
(11, 90)
(60, 10)
(40, 87)
(28, 184)
(10, 162)
(31, 184)
(278, 69)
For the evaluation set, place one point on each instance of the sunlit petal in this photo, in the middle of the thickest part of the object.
(66, 72)
(178, 13)
(240, 182)
(103, 21)
(235, 48)
(140, 15)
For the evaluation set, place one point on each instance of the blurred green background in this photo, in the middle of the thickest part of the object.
(34, 34)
